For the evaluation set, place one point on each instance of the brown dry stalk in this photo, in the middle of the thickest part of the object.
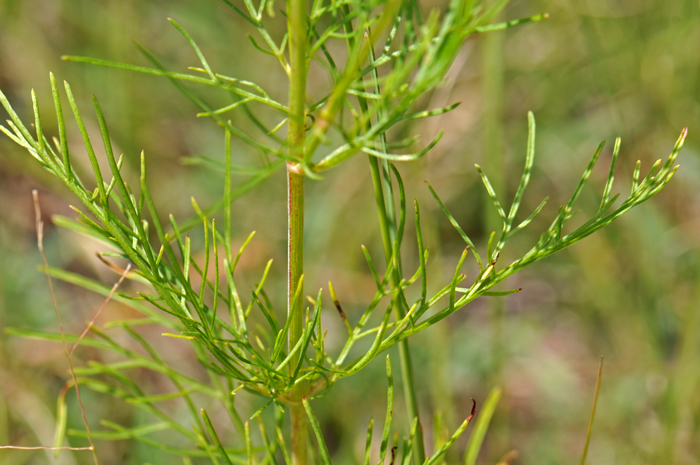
(69, 354)
(45, 448)
(40, 245)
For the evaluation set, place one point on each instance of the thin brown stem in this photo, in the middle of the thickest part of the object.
(40, 244)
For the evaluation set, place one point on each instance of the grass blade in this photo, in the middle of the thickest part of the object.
(482, 425)
(593, 409)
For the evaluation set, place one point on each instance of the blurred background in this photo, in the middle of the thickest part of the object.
(594, 70)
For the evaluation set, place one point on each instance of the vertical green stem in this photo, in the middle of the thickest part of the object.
(384, 197)
(296, 26)
(299, 427)
(387, 216)
(388, 237)
(495, 165)
(411, 400)
(295, 256)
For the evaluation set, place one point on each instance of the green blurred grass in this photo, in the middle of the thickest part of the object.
(595, 70)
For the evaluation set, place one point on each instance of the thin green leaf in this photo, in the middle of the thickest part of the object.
(512, 23)
(368, 441)
(611, 175)
(323, 449)
(88, 145)
(440, 452)
(215, 437)
(389, 412)
(456, 225)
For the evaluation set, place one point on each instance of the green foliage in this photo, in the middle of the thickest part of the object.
(372, 93)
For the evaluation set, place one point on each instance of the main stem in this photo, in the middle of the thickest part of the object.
(296, 25)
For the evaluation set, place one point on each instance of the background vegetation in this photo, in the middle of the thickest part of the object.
(596, 69)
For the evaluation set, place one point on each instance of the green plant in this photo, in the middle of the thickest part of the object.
(286, 362)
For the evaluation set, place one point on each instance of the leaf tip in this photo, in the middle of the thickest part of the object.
(473, 410)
